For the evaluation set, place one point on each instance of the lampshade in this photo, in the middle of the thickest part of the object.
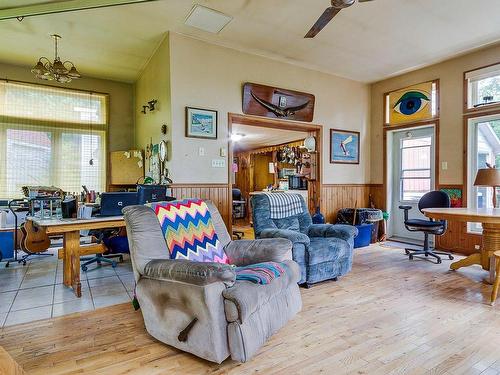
(487, 177)
(73, 73)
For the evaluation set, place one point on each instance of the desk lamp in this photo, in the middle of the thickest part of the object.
(489, 177)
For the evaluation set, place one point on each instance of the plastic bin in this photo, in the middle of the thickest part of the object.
(6, 245)
(364, 235)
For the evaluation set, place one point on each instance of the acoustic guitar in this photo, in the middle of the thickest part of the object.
(34, 239)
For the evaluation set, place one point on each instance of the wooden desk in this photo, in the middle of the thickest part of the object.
(490, 220)
(70, 229)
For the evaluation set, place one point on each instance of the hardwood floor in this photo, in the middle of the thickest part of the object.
(388, 316)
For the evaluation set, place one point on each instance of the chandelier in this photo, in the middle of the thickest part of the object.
(57, 70)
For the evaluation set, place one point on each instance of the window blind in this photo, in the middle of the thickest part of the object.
(48, 135)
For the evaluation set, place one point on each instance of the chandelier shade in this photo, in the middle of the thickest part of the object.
(62, 72)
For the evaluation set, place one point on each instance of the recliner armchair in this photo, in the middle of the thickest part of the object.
(200, 307)
(323, 251)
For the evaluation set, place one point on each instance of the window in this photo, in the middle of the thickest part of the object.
(48, 136)
(483, 87)
(416, 159)
(483, 147)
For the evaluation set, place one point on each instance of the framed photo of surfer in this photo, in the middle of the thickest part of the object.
(201, 123)
(344, 146)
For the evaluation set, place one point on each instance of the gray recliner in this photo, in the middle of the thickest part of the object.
(200, 307)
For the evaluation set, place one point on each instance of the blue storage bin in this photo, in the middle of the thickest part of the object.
(364, 235)
(6, 245)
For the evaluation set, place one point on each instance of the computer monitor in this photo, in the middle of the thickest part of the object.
(152, 193)
(113, 203)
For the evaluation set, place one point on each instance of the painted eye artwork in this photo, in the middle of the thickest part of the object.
(412, 102)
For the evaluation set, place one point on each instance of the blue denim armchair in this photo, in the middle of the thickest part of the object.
(323, 251)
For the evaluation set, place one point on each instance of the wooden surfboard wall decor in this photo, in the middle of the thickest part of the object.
(273, 102)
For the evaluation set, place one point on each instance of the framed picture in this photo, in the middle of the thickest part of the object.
(201, 123)
(344, 146)
(411, 104)
(455, 193)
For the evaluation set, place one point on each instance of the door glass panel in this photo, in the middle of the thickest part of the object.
(415, 168)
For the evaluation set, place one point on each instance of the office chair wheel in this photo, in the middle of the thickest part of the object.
(451, 257)
(438, 261)
(84, 268)
(113, 264)
(7, 265)
(407, 252)
(410, 256)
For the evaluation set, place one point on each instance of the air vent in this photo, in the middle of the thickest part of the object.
(207, 19)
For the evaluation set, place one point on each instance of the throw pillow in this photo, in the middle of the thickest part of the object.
(189, 231)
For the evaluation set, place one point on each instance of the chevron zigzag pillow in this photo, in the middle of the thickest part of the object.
(189, 231)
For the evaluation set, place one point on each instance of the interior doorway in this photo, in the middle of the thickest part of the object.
(257, 163)
(411, 172)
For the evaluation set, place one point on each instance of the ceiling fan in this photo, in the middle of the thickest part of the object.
(328, 14)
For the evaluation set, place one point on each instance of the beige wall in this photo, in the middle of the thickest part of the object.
(154, 83)
(209, 76)
(450, 74)
(121, 121)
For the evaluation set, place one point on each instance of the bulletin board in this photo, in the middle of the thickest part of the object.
(126, 167)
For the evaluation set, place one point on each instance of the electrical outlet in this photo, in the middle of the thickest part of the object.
(218, 163)
(222, 152)
(201, 151)
(477, 247)
(444, 165)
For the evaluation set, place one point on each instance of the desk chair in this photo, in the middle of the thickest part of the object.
(99, 258)
(432, 199)
(239, 211)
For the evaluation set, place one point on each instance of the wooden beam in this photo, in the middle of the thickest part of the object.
(61, 7)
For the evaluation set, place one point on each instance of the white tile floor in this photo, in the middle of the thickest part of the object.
(35, 291)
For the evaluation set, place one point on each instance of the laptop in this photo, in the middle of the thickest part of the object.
(152, 193)
(113, 203)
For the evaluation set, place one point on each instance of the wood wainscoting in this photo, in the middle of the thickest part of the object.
(217, 193)
(337, 196)
(333, 197)
(458, 240)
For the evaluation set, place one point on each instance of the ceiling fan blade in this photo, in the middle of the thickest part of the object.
(363, 1)
(322, 21)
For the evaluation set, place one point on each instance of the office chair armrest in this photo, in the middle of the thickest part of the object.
(343, 231)
(406, 208)
(295, 237)
(245, 252)
(186, 271)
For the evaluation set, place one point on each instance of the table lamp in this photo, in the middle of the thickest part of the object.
(489, 177)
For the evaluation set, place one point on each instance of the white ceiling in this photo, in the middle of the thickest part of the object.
(257, 137)
(366, 42)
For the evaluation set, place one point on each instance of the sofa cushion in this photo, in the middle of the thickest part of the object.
(329, 249)
(244, 297)
(189, 231)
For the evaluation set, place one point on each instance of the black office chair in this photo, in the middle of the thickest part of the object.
(433, 199)
(239, 212)
(101, 257)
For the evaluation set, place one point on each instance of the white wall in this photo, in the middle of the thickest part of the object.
(209, 76)
(153, 83)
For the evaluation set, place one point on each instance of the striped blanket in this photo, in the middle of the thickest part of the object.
(284, 204)
(260, 273)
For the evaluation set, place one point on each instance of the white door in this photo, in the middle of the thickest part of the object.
(413, 161)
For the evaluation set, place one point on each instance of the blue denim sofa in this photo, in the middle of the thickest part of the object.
(323, 251)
